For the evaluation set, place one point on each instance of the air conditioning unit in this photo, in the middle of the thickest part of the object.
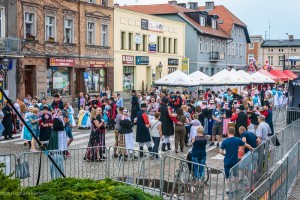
(2, 45)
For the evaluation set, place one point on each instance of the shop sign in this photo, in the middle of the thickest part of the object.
(97, 63)
(155, 26)
(142, 60)
(61, 62)
(152, 48)
(144, 24)
(127, 60)
(173, 62)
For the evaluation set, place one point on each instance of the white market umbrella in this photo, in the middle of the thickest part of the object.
(200, 76)
(177, 78)
(244, 75)
(261, 78)
(226, 77)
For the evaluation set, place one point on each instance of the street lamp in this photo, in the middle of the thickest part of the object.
(5, 65)
(160, 66)
(288, 50)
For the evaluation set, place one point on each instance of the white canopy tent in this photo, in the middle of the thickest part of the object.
(200, 76)
(226, 77)
(177, 78)
(261, 78)
(244, 75)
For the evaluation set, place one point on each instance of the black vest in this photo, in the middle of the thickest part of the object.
(241, 121)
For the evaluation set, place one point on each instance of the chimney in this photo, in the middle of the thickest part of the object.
(182, 5)
(172, 2)
(193, 5)
(209, 5)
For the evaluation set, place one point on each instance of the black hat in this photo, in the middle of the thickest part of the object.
(165, 100)
(143, 105)
(242, 107)
(133, 91)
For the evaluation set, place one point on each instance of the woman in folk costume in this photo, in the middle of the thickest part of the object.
(142, 131)
(226, 120)
(126, 139)
(84, 121)
(58, 139)
(95, 151)
(34, 126)
(71, 116)
(46, 124)
(25, 132)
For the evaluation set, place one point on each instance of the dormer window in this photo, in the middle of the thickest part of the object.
(214, 23)
(202, 21)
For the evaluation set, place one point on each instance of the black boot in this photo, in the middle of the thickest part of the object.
(169, 146)
(141, 151)
(163, 147)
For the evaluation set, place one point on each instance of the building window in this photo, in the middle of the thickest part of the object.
(206, 45)
(218, 46)
(213, 23)
(251, 46)
(171, 69)
(212, 46)
(212, 71)
(175, 46)
(2, 22)
(223, 47)
(50, 28)
(123, 37)
(104, 35)
(158, 44)
(240, 50)
(69, 31)
(170, 45)
(240, 31)
(145, 44)
(91, 33)
(270, 50)
(137, 41)
(128, 78)
(293, 63)
(270, 59)
(29, 24)
(200, 44)
(236, 49)
(58, 81)
(250, 57)
(164, 45)
(293, 50)
(130, 41)
(202, 21)
(281, 61)
(104, 2)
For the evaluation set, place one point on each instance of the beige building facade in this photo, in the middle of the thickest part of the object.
(146, 48)
(68, 47)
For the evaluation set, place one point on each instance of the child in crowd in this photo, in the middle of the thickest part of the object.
(71, 116)
(84, 121)
(194, 125)
(156, 132)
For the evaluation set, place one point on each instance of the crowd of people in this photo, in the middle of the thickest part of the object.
(244, 118)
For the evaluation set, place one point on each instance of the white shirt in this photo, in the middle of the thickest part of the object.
(154, 131)
(262, 131)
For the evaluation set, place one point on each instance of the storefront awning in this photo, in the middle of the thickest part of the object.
(280, 75)
(290, 74)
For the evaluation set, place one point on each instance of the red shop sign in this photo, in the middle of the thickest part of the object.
(61, 62)
(96, 63)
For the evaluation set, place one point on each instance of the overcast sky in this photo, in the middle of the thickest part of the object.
(284, 15)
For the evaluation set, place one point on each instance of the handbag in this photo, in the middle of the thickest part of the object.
(22, 170)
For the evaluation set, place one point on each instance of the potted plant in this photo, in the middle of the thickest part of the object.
(51, 39)
(30, 37)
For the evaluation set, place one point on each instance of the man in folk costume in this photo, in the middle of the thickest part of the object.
(134, 105)
(46, 124)
(142, 131)
(167, 118)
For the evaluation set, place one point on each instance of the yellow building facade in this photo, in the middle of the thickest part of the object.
(146, 48)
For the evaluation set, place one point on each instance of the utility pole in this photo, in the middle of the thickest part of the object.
(283, 61)
(288, 51)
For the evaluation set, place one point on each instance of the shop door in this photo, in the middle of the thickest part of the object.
(79, 82)
(29, 81)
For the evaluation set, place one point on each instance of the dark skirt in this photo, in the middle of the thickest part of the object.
(95, 145)
(45, 134)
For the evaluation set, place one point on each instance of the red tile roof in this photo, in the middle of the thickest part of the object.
(156, 9)
(228, 17)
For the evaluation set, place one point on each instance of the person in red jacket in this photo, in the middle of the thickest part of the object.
(241, 119)
(178, 101)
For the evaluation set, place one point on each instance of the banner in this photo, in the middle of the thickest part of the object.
(185, 65)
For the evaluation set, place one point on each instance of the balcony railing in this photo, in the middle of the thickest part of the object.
(10, 45)
(216, 56)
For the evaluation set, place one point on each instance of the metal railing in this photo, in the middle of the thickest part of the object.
(10, 163)
(292, 114)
